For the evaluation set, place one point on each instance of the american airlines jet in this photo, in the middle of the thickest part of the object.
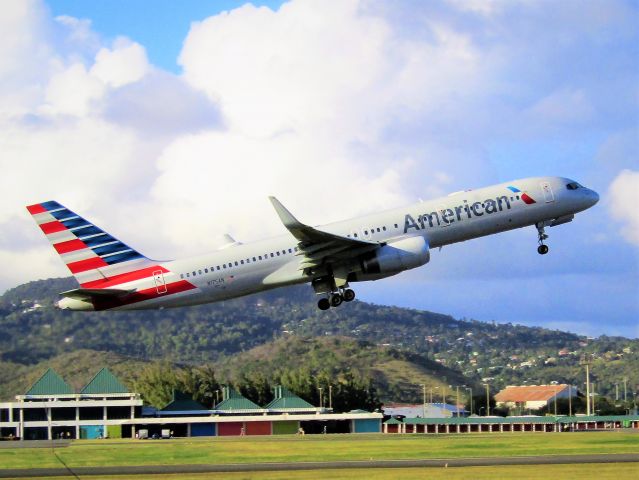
(114, 276)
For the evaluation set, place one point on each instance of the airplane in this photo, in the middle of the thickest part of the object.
(114, 276)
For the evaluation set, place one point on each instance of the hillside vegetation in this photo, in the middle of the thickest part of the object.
(281, 328)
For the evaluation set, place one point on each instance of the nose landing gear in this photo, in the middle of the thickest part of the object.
(542, 249)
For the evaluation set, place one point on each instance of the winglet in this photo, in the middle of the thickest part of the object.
(287, 217)
(293, 225)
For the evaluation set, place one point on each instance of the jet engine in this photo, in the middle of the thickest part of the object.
(395, 257)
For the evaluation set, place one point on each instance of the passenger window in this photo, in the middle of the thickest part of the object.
(236, 264)
(355, 235)
(188, 275)
(194, 274)
(378, 229)
(242, 262)
(254, 259)
(206, 270)
(272, 255)
(396, 226)
(181, 275)
(365, 232)
(278, 253)
(218, 267)
(283, 252)
(290, 250)
(260, 257)
(384, 228)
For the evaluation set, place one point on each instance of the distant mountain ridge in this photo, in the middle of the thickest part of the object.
(32, 331)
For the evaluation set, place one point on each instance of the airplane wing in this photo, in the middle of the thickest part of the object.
(96, 293)
(318, 247)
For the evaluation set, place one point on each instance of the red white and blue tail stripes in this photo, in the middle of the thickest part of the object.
(91, 254)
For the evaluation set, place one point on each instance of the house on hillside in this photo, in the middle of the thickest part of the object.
(533, 397)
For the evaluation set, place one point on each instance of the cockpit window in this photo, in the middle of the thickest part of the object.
(573, 186)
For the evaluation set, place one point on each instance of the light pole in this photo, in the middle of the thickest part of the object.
(624, 389)
(424, 399)
(587, 362)
(569, 400)
(444, 396)
(471, 399)
(330, 397)
(616, 392)
(320, 395)
(487, 400)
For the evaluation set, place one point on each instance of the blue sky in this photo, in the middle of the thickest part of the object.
(169, 124)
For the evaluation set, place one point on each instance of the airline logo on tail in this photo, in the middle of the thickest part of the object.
(82, 246)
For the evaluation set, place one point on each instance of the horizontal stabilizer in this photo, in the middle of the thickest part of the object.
(96, 293)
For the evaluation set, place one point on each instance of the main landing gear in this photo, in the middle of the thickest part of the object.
(335, 299)
(542, 249)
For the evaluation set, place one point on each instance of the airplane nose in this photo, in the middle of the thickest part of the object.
(593, 197)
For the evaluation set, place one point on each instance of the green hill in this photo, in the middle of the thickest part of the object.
(466, 351)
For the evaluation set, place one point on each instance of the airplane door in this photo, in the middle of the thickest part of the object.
(158, 278)
(548, 195)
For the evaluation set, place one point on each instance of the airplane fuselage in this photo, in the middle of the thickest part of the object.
(262, 265)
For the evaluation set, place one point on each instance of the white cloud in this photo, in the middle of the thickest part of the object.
(624, 198)
(338, 108)
(125, 63)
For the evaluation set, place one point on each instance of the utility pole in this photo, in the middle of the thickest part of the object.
(457, 406)
(320, 395)
(555, 400)
(471, 399)
(587, 362)
(423, 385)
(616, 392)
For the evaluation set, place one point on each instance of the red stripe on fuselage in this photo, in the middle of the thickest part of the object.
(124, 277)
(69, 246)
(52, 227)
(142, 295)
(88, 264)
(35, 209)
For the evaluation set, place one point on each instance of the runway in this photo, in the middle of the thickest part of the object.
(281, 466)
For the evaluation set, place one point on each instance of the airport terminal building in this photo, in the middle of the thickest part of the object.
(104, 407)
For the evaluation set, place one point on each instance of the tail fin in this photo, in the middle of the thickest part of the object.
(92, 255)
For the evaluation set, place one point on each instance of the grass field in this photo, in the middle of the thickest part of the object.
(534, 472)
(317, 448)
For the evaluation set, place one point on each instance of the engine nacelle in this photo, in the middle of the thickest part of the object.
(396, 257)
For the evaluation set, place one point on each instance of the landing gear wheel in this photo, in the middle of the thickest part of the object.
(336, 300)
(349, 295)
(542, 249)
(323, 304)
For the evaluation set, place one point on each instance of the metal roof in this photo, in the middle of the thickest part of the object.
(50, 383)
(182, 402)
(531, 393)
(104, 382)
(232, 400)
(286, 400)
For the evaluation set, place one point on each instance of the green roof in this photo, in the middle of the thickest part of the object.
(104, 382)
(393, 421)
(182, 402)
(234, 401)
(50, 384)
(285, 400)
